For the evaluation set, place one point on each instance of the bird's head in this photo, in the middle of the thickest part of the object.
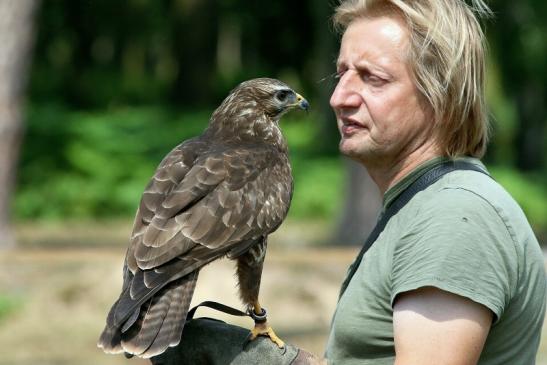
(253, 109)
(273, 97)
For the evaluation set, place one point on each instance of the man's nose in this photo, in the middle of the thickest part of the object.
(345, 94)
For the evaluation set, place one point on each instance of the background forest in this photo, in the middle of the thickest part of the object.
(115, 85)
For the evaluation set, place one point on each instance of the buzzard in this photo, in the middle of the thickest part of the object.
(219, 194)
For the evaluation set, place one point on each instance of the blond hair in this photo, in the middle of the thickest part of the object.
(447, 57)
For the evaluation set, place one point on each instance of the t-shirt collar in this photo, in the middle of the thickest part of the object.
(421, 169)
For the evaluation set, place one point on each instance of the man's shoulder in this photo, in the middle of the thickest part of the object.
(464, 203)
(474, 192)
(458, 192)
(472, 202)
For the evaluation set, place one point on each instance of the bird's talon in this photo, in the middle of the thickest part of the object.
(263, 329)
(279, 342)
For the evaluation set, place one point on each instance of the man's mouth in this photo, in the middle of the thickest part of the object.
(350, 127)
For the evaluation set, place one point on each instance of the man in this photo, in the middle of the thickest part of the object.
(457, 276)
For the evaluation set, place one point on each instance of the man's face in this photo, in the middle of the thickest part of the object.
(381, 116)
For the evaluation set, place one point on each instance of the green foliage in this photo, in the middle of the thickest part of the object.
(93, 164)
(96, 164)
(502, 149)
(317, 188)
(530, 191)
(8, 305)
(519, 45)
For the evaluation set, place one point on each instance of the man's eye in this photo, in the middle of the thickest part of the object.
(338, 75)
(373, 80)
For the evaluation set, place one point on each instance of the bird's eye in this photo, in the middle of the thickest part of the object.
(282, 95)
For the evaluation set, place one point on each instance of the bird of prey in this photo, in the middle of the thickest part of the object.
(219, 194)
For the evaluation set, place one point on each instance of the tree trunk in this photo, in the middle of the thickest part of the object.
(530, 139)
(361, 208)
(323, 66)
(16, 20)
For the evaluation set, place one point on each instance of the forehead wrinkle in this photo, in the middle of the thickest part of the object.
(380, 61)
(390, 49)
(369, 59)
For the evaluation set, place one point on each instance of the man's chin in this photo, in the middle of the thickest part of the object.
(350, 150)
(359, 153)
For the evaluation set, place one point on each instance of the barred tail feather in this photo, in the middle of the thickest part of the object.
(169, 334)
(110, 340)
(159, 322)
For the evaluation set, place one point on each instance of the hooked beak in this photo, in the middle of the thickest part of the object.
(301, 102)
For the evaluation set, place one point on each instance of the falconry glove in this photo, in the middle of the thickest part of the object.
(211, 342)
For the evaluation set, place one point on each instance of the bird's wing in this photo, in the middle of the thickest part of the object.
(181, 179)
(198, 207)
(222, 197)
(251, 202)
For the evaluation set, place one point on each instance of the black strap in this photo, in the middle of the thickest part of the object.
(217, 306)
(427, 179)
(258, 318)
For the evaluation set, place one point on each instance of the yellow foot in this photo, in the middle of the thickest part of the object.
(263, 329)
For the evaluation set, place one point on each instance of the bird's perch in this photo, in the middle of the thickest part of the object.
(210, 342)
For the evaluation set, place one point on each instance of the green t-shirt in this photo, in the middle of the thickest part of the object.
(464, 234)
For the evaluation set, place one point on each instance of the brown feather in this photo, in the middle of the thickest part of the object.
(160, 325)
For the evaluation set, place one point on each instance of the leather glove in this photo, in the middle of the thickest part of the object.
(207, 341)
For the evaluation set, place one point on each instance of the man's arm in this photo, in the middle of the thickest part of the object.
(432, 326)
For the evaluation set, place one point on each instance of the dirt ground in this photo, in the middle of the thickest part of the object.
(62, 295)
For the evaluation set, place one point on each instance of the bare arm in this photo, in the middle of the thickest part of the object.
(432, 326)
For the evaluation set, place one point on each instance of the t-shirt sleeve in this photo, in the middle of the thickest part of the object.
(460, 244)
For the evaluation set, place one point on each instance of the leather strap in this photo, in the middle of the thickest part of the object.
(258, 318)
(427, 179)
(217, 306)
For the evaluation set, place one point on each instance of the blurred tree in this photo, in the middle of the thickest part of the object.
(324, 66)
(181, 53)
(362, 205)
(193, 38)
(16, 20)
(519, 36)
